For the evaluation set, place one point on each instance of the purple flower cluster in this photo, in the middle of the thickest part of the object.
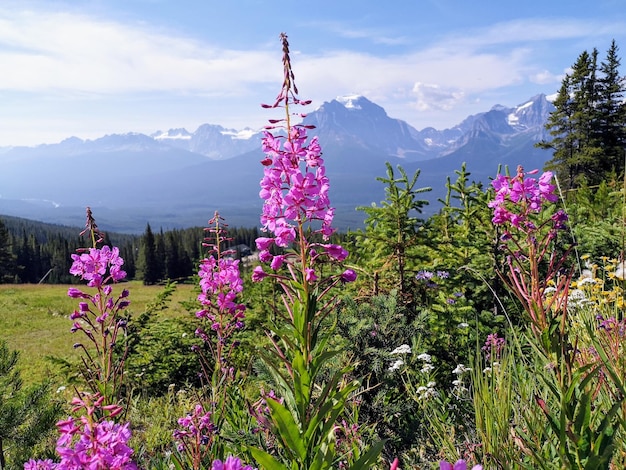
(518, 196)
(196, 430)
(220, 282)
(93, 265)
(89, 444)
(493, 346)
(99, 308)
(295, 190)
(458, 465)
(98, 315)
(294, 185)
(231, 463)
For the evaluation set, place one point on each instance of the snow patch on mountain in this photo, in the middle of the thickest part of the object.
(350, 101)
(243, 134)
(172, 134)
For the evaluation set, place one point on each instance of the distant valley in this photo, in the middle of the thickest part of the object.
(178, 179)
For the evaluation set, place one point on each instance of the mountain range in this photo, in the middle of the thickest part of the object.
(177, 178)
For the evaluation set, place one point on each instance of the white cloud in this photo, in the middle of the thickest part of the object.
(60, 57)
(545, 77)
(432, 96)
(64, 51)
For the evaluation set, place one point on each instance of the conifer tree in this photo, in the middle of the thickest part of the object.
(612, 112)
(148, 265)
(588, 124)
(7, 260)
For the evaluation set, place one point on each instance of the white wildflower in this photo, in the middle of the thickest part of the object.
(576, 298)
(463, 325)
(586, 274)
(61, 388)
(425, 357)
(396, 365)
(424, 393)
(460, 369)
(426, 368)
(403, 349)
(586, 280)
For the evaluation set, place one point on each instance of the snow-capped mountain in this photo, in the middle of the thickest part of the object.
(358, 121)
(212, 141)
(177, 178)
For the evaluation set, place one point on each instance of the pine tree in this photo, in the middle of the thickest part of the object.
(560, 126)
(587, 127)
(390, 241)
(8, 267)
(612, 112)
(147, 262)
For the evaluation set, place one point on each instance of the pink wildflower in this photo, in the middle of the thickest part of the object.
(258, 274)
(348, 276)
(231, 463)
(458, 465)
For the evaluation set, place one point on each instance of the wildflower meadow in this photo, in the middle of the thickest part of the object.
(487, 336)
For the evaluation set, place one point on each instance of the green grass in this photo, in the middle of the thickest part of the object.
(34, 320)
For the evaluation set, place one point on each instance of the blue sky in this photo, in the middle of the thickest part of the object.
(87, 68)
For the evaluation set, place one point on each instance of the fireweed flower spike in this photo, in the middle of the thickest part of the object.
(92, 439)
(220, 283)
(527, 240)
(89, 442)
(295, 189)
(296, 210)
(99, 315)
(220, 317)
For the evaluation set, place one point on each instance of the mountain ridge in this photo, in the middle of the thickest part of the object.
(170, 178)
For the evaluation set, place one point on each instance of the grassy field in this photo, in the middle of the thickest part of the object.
(34, 320)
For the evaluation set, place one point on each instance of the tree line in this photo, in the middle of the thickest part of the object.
(33, 252)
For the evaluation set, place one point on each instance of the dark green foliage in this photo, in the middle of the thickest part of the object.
(388, 248)
(162, 357)
(147, 263)
(27, 416)
(612, 112)
(8, 267)
(372, 329)
(596, 219)
(160, 350)
(41, 252)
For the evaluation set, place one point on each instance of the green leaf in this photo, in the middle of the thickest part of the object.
(265, 460)
(369, 458)
(288, 429)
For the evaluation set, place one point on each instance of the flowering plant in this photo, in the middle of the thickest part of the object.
(532, 262)
(220, 316)
(89, 442)
(98, 315)
(296, 209)
(581, 428)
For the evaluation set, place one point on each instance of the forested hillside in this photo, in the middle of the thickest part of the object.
(32, 252)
